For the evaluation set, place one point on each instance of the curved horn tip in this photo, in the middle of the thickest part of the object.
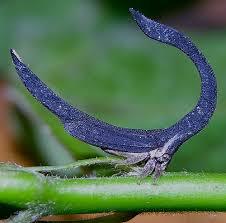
(142, 21)
(15, 57)
(136, 14)
(131, 10)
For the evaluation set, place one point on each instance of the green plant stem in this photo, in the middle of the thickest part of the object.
(77, 164)
(172, 192)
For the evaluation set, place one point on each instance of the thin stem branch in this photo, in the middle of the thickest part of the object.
(77, 164)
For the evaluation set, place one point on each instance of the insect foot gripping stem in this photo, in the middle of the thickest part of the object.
(155, 161)
(155, 148)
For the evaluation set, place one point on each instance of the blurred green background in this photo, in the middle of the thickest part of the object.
(94, 56)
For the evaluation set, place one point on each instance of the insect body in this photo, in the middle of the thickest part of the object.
(154, 147)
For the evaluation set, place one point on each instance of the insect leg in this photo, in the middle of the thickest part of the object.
(131, 158)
